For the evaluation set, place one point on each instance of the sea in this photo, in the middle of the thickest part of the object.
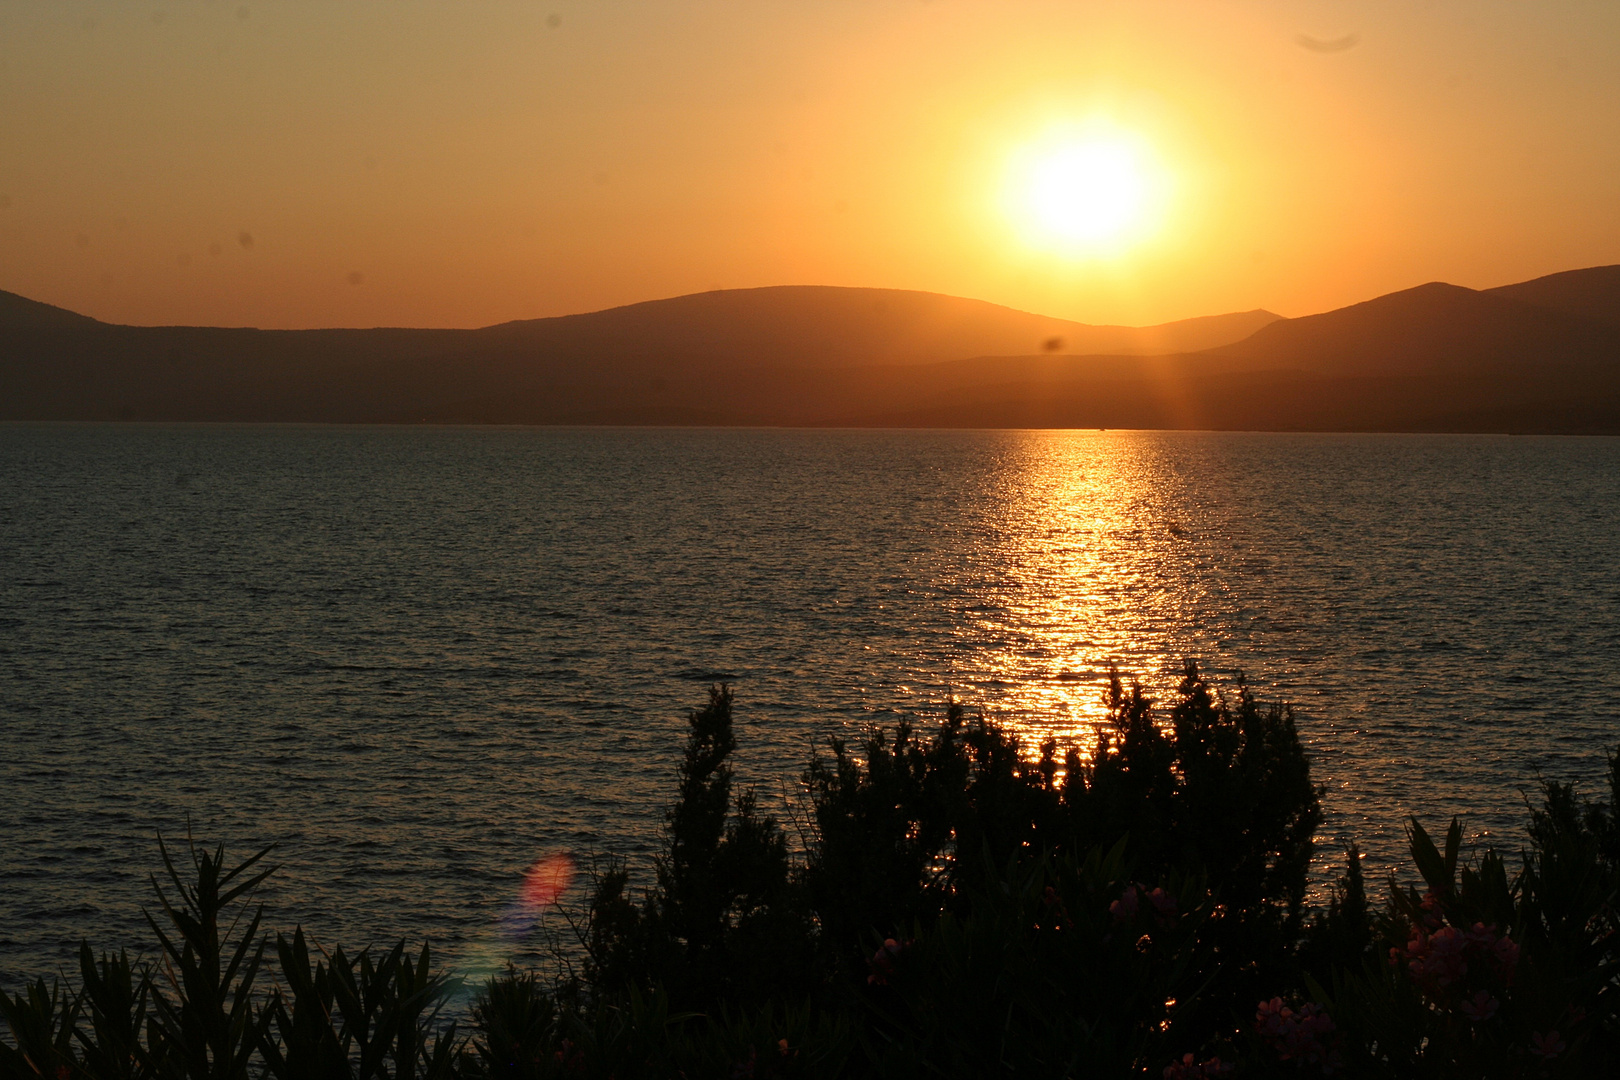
(419, 660)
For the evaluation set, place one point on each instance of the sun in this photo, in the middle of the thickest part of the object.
(1088, 192)
(1085, 193)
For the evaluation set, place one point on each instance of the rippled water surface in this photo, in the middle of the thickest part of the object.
(418, 658)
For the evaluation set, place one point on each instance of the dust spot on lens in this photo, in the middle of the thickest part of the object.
(245, 239)
(553, 21)
(82, 240)
(1052, 344)
(1331, 45)
(356, 277)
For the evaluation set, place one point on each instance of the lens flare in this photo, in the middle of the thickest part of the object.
(548, 879)
(543, 886)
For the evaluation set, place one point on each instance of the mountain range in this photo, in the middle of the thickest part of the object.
(1538, 356)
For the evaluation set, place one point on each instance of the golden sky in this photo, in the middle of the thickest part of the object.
(463, 162)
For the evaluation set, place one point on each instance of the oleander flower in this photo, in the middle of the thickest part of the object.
(883, 962)
(1479, 1008)
(1124, 909)
(1188, 1068)
(1306, 1035)
(1546, 1046)
(1164, 906)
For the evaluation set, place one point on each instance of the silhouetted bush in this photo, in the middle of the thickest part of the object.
(908, 828)
(725, 921)
(961, 908)
(1483, 974)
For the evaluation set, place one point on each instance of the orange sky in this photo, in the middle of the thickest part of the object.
(462, 162)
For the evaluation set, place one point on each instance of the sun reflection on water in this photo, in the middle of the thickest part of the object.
(1081, 532)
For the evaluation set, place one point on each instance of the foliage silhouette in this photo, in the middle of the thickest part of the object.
(724, 922)
(961, 908)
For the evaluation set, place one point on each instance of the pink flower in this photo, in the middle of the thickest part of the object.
(1506, 953)
(1164, 906)
(882, 962)
(1054, 904)
(1479, 1008)
(1433, 917)
(1189, 1069)
(1546, 1047)
(1272, 1008)
(1184, 1069)
(1302, 1036)
(1124, 909)
(569, 1057)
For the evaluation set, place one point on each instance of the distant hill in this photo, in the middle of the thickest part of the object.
(21, 313)
(1432, 328)
(1586, 294)
(827, 327)
(1438, 357)
(662, 361)
(1542, 355)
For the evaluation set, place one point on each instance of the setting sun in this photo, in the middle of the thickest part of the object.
(1085, 193)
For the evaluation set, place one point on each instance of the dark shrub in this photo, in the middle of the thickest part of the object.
(724, 921)
(963, 908)
(1063, 967)
(905, 829)
(1491, 976)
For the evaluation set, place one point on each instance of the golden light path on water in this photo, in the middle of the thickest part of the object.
(1357, 578)
(1079, 567)
(1115, 550)
(1084, 538)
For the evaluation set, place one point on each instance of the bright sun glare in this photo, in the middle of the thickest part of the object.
(1085, 193)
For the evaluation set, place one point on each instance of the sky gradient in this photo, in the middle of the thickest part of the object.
(463, 162)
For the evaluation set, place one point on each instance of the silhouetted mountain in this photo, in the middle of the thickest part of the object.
(1434, 358)
(1540, 356)
(825, 327)
(1432, 328)
(1588, 294)
(21, 313)
(663, 361)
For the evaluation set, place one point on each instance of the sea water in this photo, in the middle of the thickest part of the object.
(420, 659)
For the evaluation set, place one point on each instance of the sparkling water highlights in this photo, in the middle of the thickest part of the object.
(417, 658)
